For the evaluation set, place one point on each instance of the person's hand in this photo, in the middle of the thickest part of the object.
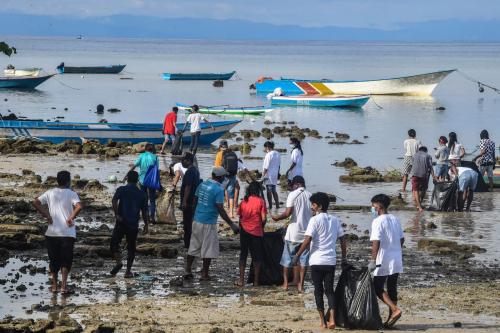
(372, 265)
(70, 222)
(295, 260)
(49, 219)
(145, 229)
(275, 218)
(183, 206)
(234, 228)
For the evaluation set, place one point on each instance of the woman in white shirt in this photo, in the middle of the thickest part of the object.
(457, 151)
(386, 256)
(321, 236)
(296, 158)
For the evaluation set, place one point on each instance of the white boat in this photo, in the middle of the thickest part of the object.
(415, 85)
(22, 72)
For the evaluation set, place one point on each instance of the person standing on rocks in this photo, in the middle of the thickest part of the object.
(421, 169)
(321, 236)
(209, 203)
(298, 207)
(190, 182)
(411, 146)
(270, 173)
(296, 158)
(145, 160)
(128, 202)
(486, 158)
(169, 128)
(386, 255)
(63, 207)
(195, 118)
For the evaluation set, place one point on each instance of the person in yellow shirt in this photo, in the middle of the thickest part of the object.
(220, 153)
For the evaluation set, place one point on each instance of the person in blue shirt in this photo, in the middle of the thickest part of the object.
(128, 202)
(144, 162)
(209, 203)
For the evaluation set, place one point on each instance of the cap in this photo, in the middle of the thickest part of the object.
(223, 143)
(219, 171)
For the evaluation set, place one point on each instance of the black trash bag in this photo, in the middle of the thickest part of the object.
(271, 272)
(356, 305)
(177, 146)
(444, 196)
(481, 184)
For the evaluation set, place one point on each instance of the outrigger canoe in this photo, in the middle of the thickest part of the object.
(111, 69)
(22, 71)
(23, 82)
(414, 85)
(198, 76)
(322, 101)
(226, 109)
(57, 132)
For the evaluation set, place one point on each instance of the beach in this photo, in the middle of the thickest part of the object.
(450, 280)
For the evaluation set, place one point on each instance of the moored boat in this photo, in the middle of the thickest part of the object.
(58, 132)
(334, 101)
(23, 82)
(198, 76)
(415, 85)
(111, 69)
(227, 109)
(22, 72)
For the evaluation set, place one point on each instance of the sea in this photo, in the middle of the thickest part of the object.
(382, 124)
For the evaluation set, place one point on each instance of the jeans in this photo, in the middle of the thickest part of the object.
(130, 234)
(195, 139)
(151, 195)
(323, 276)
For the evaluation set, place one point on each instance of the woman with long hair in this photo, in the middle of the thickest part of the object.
(252, 212)
(457, 150)
(296, 158)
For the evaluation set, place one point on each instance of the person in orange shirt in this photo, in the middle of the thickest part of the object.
(220, 153)
(169, 128)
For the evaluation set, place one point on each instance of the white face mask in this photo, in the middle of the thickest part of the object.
(374, 212)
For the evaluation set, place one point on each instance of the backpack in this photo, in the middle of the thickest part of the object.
(230, 163)
(152, 177)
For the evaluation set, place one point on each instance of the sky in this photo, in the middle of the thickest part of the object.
(380, 14)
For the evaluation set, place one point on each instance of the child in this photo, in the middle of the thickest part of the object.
(321, 235)
(252, 212)
(387, 257)
(442, 154)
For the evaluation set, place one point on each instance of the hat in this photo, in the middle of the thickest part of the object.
(219, 171)
(223, 143)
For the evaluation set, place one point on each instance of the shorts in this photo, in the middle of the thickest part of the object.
(169, 137)
(271, 188)
(486, 168)
(204, 241)
(441, 170)
(60, 250)
(252, 243)
(230, 185)
(289, 251)
(407, 164)
(467, 181)
(419, 183)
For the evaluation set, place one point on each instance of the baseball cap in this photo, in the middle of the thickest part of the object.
(223, 143)
(219, 171)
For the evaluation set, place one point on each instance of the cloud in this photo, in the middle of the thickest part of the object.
(313, 13)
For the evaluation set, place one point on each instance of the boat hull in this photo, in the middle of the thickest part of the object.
(22, 72)
(198, 76)
(135, 133)
(114, 69)
(23, 82)
(322, 101)
(415, 85)
(229, 110)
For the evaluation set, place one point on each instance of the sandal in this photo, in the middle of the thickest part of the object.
(391, 322)
(116, 269)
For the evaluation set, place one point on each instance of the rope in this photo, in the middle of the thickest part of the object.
(64, 84)
(373, 100)
(479, 83)
(236, 77)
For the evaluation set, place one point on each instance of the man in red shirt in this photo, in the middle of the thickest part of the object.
(169, 128)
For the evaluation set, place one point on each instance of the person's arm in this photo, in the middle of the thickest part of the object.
(114, 204)
(430, 167)
(185, 194)
(42, 210)
(206, 120)
(225, 217)
(263, 214)
(402, 240)
(375, 248)
(304, 246)
(481, 153)
(132, 168)
(293, 165)
(145, 218)
(462, 152)
(286, 214)
(77, 207)
(176, 178)
(185, 124)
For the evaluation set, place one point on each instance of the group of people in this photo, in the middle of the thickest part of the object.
(449, 154)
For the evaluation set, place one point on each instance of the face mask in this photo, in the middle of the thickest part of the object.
(374, 212)
(292, 146)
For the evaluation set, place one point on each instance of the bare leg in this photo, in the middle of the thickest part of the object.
(269, 198)
(236, 194)
(231, 208)
(405, 181)
(206, 267)
(416, 197)
(395, 311)
(321, 319)
(64, 279)
(302, 275)
(162, 151)
(470, 196)
(285, 278)
(53, 287)
(276, 199)
(256, 274)
(296, 275)
(331, 319)
(241, 281)
(189, 264)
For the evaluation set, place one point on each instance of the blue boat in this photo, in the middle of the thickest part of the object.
(331, 101)
(23, 82)
(57, 132)
(198, 76)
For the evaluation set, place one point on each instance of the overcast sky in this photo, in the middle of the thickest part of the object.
(385, 14)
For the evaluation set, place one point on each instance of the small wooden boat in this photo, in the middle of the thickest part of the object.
(227, 109)
(415, 85)
(58, 132)
(334, 101)
(23, 82)
(198, 76)
(111, 69)
(22, 72)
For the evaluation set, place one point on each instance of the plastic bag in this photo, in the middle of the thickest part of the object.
(166, 209)
(356, 304)
(177, 146)
(152, 177)
(444, 196)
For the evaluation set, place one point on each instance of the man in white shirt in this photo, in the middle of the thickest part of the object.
(411, 146)
(63, 205)
(386, 256)
(270, 173)
(195, 118)
(298, 207)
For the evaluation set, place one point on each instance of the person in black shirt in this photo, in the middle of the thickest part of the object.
(190, 182)
(128, 202)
